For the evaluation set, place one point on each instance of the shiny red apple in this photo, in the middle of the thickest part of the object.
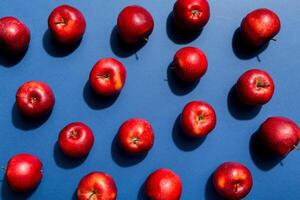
(232, 180)
(163, 184)
(108, 77)
(14, 35)
(67, 24)
(97, 186)
(198, 119)
(35, 99)
(191, 15)
(135, 24)
(255, 87)
(279, 135)
(23, 172)
(136, 136)
(76, 139)
(190, 64)
(260, 26)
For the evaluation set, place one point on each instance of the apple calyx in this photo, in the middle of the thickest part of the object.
(104, 76)
(33, 99)
(195, 13)
(200, 118)
(62, 22)
(93, 192)
(261, 84)
(74, 134)
(135, 140)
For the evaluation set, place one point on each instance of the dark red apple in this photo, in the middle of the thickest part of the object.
(97, 186)
(35, 99)
(163, 184)
(198, 119)
(76, 139)
(232, 180)
(136, 136)
(255, 87)
(279, 135)
(135, 24)
(190, 64)
(23, 172)
(260, 26)
(191, 15)
(14, 35)
(67, 24)
(108, 77)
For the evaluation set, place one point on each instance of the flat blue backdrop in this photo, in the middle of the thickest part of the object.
(151, 93)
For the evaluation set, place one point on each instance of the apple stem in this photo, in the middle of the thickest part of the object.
(136, 56)
(258, 58)
(296, 147)
(91, 195)
(274, 39)
(146, 39)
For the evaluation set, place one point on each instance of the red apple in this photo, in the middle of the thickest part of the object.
(136, 136)
(279, 135)
(198, 119)
(67, 24)
(23, 172)
(135, 24)
(255, 87)
(97, 186)
(260, 26)
(232, 180)
(108, 77)
(76, 139)
(191, 15)
(14, 35)
(35, 99)
(163, 184)
(190, 64)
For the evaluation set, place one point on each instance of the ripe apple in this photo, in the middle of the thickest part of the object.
(136, 136)
(35, 99)
(255, 87)
(190, 64)
(23, 172)
(135, 24)
(163, 184)
(14, 35)
(108, 77)
(198, 119)
(232, 180)
(97, 186)
(76, 139)
(67, 24)
(279, 135)
(260, 26)
(191, 15)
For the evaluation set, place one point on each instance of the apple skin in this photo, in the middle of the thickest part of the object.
(76, 139)
(232, 180)
(97, 186)
(23, 172)
(67, 24)
(135, 136)
(14, 35)
(163, 184)
(198, 119)
(135, 24)
(35, 99)
(279, 135)
(191, 15)
(107, 77)
(260, 26)
(255, 87)
(190, 64)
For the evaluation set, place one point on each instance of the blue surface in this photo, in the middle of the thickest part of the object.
(147, 94)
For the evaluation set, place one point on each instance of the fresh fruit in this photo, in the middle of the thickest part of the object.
(97, 186)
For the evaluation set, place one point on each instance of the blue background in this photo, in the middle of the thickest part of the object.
(151, 93)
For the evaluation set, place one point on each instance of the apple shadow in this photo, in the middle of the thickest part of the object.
(123, 159)
(74, 196)
(24, 123)
(10, 60)
(238, 109)
(210, 192)
(182, 141)
(121, 48)
(64, 161)
(244, 51)
(96, 101)
(179, 36)
(8, 194)
(141, 194)
(177, 86)
(56, 49)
